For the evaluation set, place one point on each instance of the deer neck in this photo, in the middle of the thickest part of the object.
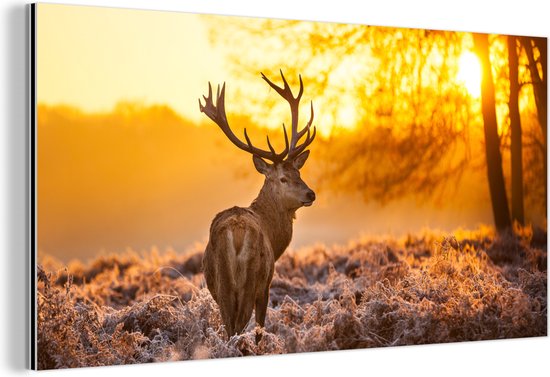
(277, 220)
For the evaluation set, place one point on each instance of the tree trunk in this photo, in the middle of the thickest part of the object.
(540, 86)
(501, 214)
(515, 125)
(539, 83)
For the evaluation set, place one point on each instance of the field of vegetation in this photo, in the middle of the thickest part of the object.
(428, 288)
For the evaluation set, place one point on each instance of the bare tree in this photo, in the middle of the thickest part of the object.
(538, 69)
(501, 213)
(516, 140)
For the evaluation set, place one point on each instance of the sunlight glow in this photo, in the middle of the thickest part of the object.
(469, 73)
(347, 117)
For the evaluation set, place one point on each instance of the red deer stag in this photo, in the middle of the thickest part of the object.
(245, 242)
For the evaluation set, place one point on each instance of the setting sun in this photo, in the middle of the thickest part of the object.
(469, 73)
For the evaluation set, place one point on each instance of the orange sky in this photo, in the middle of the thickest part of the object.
(92, 57)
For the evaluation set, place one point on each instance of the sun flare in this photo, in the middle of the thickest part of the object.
(469, 73)
(347, 117)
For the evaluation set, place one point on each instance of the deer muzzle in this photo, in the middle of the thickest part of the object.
(310, 195)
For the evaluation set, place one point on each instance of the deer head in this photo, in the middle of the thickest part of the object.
(282, 175)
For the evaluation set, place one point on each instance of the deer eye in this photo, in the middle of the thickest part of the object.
(284, 180)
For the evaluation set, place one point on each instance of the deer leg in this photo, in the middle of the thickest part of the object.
(261, 311)
(261, 307)
(226, 295)
(227, 305)
(246, 300)
(244, 313)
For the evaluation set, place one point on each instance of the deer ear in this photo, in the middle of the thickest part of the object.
(260, 165)
(300, 160)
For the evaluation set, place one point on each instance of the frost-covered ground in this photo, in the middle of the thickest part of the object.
(430, 288)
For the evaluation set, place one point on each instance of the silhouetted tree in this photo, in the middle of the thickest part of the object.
(516, 149)
(538, 69)
(501, 214)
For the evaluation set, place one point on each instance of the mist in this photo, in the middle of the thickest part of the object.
(142, 177)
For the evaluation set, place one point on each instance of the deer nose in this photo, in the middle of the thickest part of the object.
(310, 195)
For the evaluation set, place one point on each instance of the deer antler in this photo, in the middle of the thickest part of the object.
(216, 112)
(294, 103)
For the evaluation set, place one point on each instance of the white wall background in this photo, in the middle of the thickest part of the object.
(502, 358)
